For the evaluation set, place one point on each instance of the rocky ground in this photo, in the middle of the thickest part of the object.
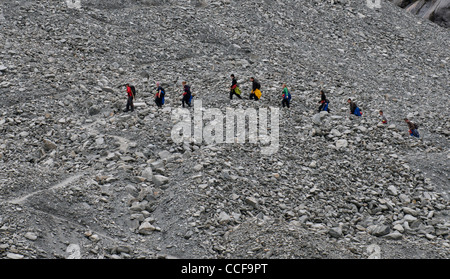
(79, 178)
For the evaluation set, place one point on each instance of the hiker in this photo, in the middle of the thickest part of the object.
(354, 109)
(160, 94)
(286, 96)
(256, 89)
(130, 99)
(412, 128)
(323, 102)
(187, 95)
(383, 118)
(234, 89)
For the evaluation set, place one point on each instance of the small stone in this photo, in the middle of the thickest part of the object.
(374, 250)
(341, 143)
(335, 232)
(335, 132)
(94, 110)
(198, 167)
(147, 173)
(146, 228)
(394, 236)
(74, 251)
(316, 119)
(224, 218)
(392, 190)
(94, 237)
(164, 154)
(362, 129)
(399, 228)
(410, 211)
(251, 201)
(14, 256)
(100, 141)
(378, 230)
(404, 198)
(49, 145)
(160, 180)
(409, 218)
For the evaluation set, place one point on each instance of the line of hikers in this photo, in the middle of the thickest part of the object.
(256, 94)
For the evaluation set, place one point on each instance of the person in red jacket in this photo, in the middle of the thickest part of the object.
(130, 99)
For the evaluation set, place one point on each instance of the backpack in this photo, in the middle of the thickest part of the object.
(288, 97)
(133, 90)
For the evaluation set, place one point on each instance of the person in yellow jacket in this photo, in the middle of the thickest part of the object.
(256, 89)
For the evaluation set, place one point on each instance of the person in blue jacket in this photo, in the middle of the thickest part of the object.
(354, 109)
(323, 102)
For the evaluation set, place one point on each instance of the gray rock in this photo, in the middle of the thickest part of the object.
(31, 236)
(410, 211)
(49, 145)
(335, 232)
(392, 190)
(94, 110)
(148, 173)
(224, 218)
(378, 230)
(146, 228)
(164, 154)
(73, 251)
(316, 119)
(251, 201)
(160, 180)
(342, 143)
(394, 236)
(14, 256)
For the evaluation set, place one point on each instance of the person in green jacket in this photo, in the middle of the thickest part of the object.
(286, 96)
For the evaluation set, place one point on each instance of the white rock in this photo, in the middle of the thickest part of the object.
(392, 190)
(399, 228)
(336, 133)
(74, 251)
(30, 236)
(341, 143)
(224, 218)
(362, 129)
(164, 154)
(147, 173)
(14, 256)
(146, 228)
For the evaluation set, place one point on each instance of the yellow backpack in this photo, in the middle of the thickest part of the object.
(258, 93)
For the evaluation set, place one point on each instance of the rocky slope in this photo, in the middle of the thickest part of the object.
(79, 178)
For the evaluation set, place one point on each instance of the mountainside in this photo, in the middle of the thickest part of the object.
(80, 178)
